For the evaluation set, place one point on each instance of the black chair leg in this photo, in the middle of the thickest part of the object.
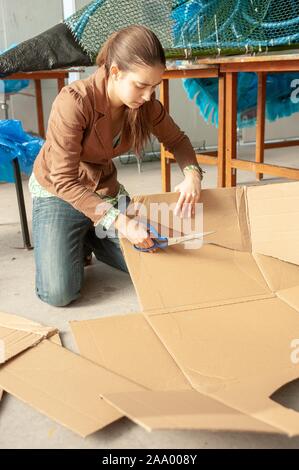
(21, 204)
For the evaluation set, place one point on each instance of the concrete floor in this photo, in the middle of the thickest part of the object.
(106, 292)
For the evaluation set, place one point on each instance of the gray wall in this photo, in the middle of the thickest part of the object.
(22, 19)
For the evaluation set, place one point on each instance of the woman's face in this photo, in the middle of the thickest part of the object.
(135, 87)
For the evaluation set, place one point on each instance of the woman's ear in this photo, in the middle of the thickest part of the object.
(114, 72)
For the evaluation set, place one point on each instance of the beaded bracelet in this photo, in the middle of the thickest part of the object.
(196, 168)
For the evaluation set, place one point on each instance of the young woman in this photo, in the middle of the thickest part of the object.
(74, 181)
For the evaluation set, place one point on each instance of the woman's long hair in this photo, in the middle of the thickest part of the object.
(134, 45)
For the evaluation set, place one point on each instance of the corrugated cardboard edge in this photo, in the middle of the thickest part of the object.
(18, 334)
(15, 322)
(26, 325)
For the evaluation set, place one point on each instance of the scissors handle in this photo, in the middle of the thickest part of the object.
(159, 241)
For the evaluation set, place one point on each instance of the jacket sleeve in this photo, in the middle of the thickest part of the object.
(171, 136)
(67, 123)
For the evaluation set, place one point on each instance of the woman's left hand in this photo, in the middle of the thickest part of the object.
(190, 189)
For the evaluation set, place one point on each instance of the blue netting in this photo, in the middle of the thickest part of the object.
(15, 142)
(281, 98)
(204, 27)
(192, 27)
(234, 26)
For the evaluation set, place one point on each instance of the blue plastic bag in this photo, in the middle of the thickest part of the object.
(15, 142)
(12, 86)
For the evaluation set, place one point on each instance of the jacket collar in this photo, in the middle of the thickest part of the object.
(103, 125)
(99, 84)
(103, 128)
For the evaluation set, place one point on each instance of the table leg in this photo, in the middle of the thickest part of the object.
(39, 104)
(221, 132)
(60, 84)
(260, 120)
(165, 170)
(231, 127)
(21, 204)
(165, 163)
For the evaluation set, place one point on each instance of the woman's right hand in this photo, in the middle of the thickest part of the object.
(134, 231)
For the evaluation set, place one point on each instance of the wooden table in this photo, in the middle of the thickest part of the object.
(261, 64)
(210, 158)
(59, 75)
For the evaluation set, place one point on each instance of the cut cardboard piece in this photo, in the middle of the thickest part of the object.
(53, 339)
(211, 281)
(64, 386)
(58, 383)
(137, 354)
(18, 334)
(183, 409)
(237, 365)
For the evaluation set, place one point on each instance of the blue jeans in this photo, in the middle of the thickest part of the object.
(62, 238)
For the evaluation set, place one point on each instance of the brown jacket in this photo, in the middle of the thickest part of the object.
(76, 159)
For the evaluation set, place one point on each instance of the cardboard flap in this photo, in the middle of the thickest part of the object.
(132, 338)
(278, 274)
(229, 351)
(261, 405)
(184, 409)
(274, 220)
(225, 344)
(282, 278)
(291, 297)
(224, 211)
(210, 274)
(18, 334)
(64, 386)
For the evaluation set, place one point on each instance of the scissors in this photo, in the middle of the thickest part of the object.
(164, 242)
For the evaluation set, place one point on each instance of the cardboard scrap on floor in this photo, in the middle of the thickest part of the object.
(128, 346)
(68, 388)
(62, 385)
(212, 344)
(18, 334)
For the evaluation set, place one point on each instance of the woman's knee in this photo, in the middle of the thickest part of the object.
(58, 297)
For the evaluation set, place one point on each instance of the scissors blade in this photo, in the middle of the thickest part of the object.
(191, 236)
